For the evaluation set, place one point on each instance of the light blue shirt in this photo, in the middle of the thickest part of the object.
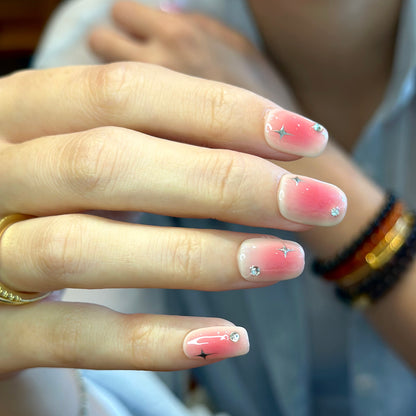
(310, 354)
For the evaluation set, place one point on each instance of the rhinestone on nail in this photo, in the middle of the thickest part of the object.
(335, 212)
(318, 128)
(255, 271)
(234, 337)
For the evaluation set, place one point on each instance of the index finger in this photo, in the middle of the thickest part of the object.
(156, 101)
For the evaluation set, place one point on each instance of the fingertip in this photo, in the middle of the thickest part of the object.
(294, 134)
(268, 260)
(309, 201)
(215, 343)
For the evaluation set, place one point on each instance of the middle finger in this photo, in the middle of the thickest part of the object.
(119, 169)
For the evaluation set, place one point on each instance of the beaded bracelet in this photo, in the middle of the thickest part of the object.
(380, 281)
(323, 267)
(376, 260)
(380, 254)
(373, 244)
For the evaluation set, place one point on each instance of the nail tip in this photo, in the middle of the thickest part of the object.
(294, 134)
(216, 343)
(309, 201)
(269, 260)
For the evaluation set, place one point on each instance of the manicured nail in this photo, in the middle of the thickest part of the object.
(309, 201)
(216, 342)
(291, 133)
(270, 259)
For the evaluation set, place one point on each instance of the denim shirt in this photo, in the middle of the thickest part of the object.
(294, 326)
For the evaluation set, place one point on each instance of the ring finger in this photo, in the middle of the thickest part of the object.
(118, 169)
(84, 251)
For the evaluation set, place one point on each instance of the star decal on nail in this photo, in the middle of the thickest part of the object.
(282, 132)
(203, 355)
(297, 180)
(285, 250)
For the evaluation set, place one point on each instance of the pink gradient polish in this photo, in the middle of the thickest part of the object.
(309, 201)
(291, 133)
(270, 259)
(217, 342)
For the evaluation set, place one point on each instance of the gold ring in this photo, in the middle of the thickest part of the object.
(12, 297)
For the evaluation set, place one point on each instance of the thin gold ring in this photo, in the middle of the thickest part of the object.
(12, 297)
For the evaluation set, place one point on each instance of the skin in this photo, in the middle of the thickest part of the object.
(335, 81)
(311, 71)
(393, 316)
(91, 141)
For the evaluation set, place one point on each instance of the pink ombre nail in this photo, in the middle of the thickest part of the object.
(291, 133)
(215, 343)
(309, 201)
(270, 259)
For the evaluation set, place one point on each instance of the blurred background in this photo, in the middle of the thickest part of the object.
(21, 24)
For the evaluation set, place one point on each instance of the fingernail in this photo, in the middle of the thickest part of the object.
(216, 342)
(172, 6)
(270, 259)
(309, 201)
(291, 133)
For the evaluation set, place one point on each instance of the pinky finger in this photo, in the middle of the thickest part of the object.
(73, 335)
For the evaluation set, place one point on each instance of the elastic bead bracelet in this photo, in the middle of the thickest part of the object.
(379, 282)
(322, 267)
(373, 243)
(381, 254)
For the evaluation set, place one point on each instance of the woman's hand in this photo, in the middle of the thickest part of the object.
(201, 46)
(89, 138)
(194, 44)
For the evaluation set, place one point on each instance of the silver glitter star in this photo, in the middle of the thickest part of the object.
(255, 271)
(335, 212)
(234, 337)
(285, 250)
(282, 132)
(318, 128)
(297, 180)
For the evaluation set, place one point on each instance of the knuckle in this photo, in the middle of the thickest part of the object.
(224, 176)
(109, 87)
(58, 250)
(142, 343)
(64, 339)
(183, 255)
(217, 110)
(89, 160)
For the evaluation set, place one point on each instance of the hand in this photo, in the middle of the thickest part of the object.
(194, 44)
(88, 138)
